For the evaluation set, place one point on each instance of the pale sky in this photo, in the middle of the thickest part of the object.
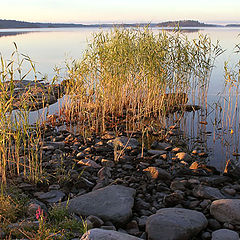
(121, 11)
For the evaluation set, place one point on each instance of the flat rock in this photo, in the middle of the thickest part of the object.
(156, 152)
(207, 192)
(175, 224)
(53, 196)
(225, 234)
(226, 210)
(101, 234)
(112, 203)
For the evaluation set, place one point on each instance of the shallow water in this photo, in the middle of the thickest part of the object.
(49, 48)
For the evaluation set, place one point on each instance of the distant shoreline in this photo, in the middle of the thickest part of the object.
(10, 24)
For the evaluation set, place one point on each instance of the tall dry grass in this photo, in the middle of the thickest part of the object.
(136, 75)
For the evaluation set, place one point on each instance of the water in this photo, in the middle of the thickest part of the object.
(49, 48)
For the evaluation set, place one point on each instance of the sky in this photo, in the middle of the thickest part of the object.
(120, 11)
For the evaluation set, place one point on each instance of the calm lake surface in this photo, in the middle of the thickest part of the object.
(49, 48)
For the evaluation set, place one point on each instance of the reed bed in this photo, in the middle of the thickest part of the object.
(136, 77)
(20, 142)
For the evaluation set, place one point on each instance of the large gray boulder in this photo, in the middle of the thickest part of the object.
(175, 224)
(100, 234)
(113, 203)
(226, 210)
(225, 234)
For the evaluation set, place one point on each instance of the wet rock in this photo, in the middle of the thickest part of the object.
(207, 192)
(112, 203)
(225, 234)
(101, 234)
(175, 224)
(53, 196)
(124, 142)
(226, 210)
(157, 173)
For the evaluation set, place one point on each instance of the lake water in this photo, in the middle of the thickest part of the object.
(49, 48)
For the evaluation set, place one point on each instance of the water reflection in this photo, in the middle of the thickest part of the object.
(51, 47)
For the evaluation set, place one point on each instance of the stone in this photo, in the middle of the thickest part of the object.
(96, 221)
(124, 142)
(232, 169)
(226, 210)
(53, 196)
(101, 234)
(113, 203)
(173, 199)
(213, 224)
(183, 156)
(206, 192)
(156, 152)
(178, 185)
(225, 234)
(157, 173)
(161, 146)
(175, 224)
(89, 163)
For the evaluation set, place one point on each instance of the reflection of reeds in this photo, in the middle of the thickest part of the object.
(134, 75)
(19, 141)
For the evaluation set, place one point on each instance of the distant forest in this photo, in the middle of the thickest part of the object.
(6, 24)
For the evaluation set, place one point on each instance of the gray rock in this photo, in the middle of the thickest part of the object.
(161, 146)
(157, 173)
(124, 142)
(232, 169)
(226, 210)
(175, 224)
(206, 192)
(101, 234)
(156, 152)
(53, 196)
(113, 203)
(89, 163)
(225, 234)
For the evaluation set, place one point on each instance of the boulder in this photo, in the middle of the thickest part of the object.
(225, 234)
(226, 210)
(101, 234)
(112, 203)
(175, 224)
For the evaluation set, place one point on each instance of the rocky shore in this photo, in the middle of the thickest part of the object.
(125, 191)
